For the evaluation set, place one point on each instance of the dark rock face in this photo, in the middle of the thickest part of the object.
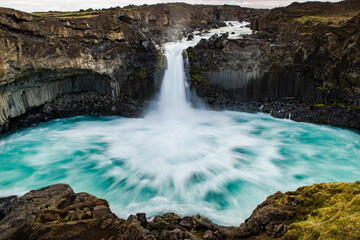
(297, 64)
(170, 22)
(303, 61)
(266, 218)
(56, 212)
(54, 68)
(91, 62)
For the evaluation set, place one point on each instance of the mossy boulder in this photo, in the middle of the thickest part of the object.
(327, 211)
(319, 211)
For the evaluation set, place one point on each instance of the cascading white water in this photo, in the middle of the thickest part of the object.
(178, 159)
(172, 95)
(172, 101)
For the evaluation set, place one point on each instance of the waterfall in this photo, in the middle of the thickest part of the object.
(172, 100)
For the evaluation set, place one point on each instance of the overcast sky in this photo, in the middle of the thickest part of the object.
(75, 5)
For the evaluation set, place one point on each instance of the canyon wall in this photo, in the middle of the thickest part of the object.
(303, 62)
(95, 62)
(52, 68)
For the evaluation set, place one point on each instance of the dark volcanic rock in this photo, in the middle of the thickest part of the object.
(56, 212)
(104, 62)
(54, 68)
(170, 22)
(297, 64)
(272, 220)
(190, 37)
(142, 219)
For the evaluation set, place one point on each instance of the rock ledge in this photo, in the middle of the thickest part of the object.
(56, 212)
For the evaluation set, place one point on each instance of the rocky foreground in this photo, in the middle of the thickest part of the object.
(319, 211)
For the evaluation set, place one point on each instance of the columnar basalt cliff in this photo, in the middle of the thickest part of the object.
(103, 62)
(303, 62)
(323, 210)
(56, 68)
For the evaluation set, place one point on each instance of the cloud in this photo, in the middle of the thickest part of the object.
(75, 5)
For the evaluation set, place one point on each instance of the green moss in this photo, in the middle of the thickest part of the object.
(67, 218)
(195, 74)
(198, 226)
(319, 105)
(277, 202)
(305, 34)
(196, 77)
(326, 211)
(199, 234)
(342, 105)
(308, 19)
(39, 219)
(190, 53)
(315, 20)
(336, 104)
(169, 217)
(161, 61)
(143, 73)
(84, 14)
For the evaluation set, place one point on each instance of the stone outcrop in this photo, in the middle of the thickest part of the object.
(171, 22)
(329, 211)
(303, 62)
(56, 212)
(104, 62)
(51, 67)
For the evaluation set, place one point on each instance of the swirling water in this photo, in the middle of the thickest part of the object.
(177, 158)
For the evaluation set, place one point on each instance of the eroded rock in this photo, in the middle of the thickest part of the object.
(296, 65)
(56, 212)
(109, 57)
